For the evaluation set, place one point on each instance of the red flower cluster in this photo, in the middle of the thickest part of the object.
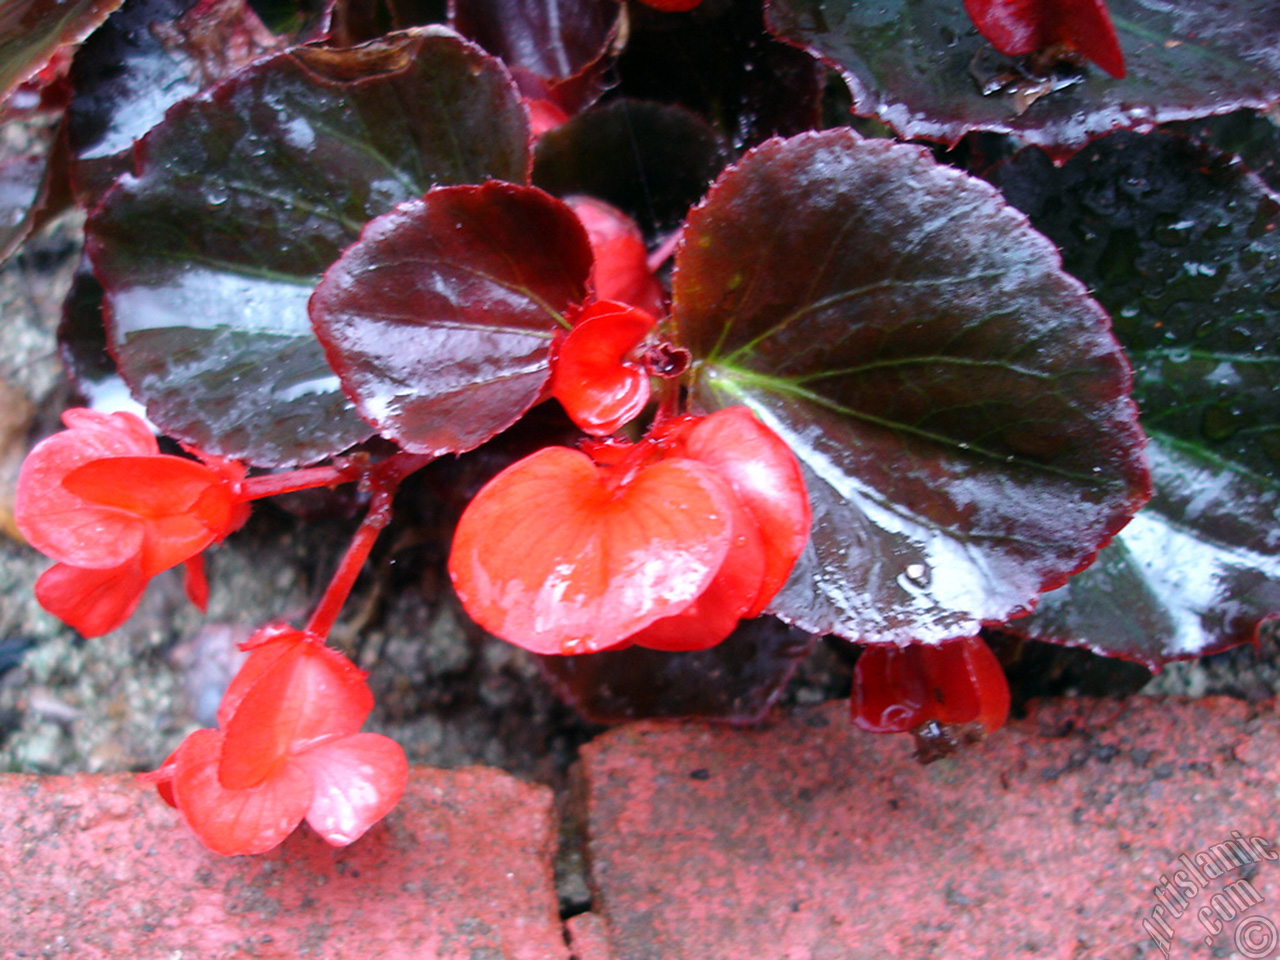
(286, 748)
(101, 500)
(665, 543)
(899, 689)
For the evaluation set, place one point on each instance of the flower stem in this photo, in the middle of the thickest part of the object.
(291, 481)
(383, 479)
(664, 251)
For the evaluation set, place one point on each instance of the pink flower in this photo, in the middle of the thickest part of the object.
(287, 748)
(101, 500)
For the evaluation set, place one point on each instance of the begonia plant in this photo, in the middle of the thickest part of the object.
(825, 381)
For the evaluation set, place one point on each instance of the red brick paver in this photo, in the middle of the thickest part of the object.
(802, 840)
(97, 867)
(809, 841)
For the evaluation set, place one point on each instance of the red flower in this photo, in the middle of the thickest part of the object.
(898, 689)
(673, 6)
(544, 115)
(594, 374)
(620, 268)
(101, 500)
(666, 543)
(286, 748)
(1019, 27)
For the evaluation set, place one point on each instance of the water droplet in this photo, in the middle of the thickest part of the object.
(1173, 233)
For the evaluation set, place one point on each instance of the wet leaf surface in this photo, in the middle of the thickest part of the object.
(736, 681)
(1184, 248)
(1253, 137)
(31, 31)
(146, 58)
(957, 401)
(553, 47)
(649, 160)
(82, 343)
(246, 195)
(922, 67)
(440, 320)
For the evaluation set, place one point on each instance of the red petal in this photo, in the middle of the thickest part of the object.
(765, 476)
(1018, 27)
(183, 505)
(233, 822)
(162, 779)
(960, 681)
(715, 614)
(621, 261)
(267, 645)
(356, 780)
(544, 115)
(155, 486)
(309, 694)
(549, 556)
(672, 6)
(1087, 26)
(890, 693)
(197, 583)
(57, 522)
(977, 665)
(94, 601)
(591, 377)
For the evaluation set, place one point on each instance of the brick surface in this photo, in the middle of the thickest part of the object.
(97, 867)
(588, 937)
(807, 839)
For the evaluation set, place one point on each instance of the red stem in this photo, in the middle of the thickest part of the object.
(384, 479)
(274, 484)
(664, 250)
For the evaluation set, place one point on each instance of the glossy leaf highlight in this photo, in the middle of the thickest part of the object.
(922, 68)
(1184, 249)
(147, 57)
(958, 403)
(439, 322)
(247, 194)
